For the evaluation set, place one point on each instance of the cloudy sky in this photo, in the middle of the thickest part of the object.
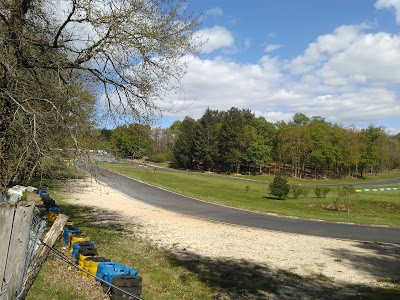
(338, 59)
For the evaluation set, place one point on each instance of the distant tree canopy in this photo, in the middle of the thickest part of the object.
(55, 54)
(237, 141)
(132, 140)
(224, 141)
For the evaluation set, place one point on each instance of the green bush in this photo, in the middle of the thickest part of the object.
(296, 190)
(325, 191)
(279, 187)
(305, 191)
(318, 191)
(346, 197)
(321, 191)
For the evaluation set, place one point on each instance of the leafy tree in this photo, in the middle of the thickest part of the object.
(300, 119)
(163, 139)
(128, 51)
(106, 133)
(184, 146)
(294, 146)
(279, 187)
(261, 135)
(176, 126)
(133, 140)
(206, 144)
(369, 157)
(322, 152)
(231, 143)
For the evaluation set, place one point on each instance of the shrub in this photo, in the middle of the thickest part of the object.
(305, 191)
(346, 195)
(296, 190)
(321, 191)
(279, 187)
(325, 191)
(318, 191)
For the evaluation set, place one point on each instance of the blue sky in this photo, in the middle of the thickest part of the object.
(339, 59)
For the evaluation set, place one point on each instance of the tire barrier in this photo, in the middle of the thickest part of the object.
(68, 229)
(377, 190)
(85, 254)
(77, 238)
(94, 263)
(119, 280)
(84, 260)
(108, 270)
(79, 247)
(129, 284)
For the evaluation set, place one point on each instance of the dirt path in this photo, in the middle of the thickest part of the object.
(343, 262)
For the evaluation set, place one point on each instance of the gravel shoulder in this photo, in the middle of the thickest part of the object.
(341, 261)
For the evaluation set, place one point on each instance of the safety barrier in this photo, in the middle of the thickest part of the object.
(84, 251)
(377, 190)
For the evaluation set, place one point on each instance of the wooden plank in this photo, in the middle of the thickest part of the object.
(19, 243)
(7, 212)
(41, 254)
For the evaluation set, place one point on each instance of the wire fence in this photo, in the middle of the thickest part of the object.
(37, 228)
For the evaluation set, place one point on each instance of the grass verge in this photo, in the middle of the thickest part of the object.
(379, 208)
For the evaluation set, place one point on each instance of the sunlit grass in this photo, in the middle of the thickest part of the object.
(380, 208)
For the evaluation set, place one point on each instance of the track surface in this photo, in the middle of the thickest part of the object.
(200, 209)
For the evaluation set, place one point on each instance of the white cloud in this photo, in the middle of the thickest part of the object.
(276, 116)
(324, 48)
(215, 12)
(348, 76)
(214, 38)
(391, 4)
(272, 47)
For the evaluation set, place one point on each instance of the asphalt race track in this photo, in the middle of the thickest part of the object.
(200, 209)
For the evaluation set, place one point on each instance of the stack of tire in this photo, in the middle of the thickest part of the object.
(52, 208)
(85, 253)
(129, 285)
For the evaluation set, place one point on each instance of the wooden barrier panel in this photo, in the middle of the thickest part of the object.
(16, 221)
(7, 212)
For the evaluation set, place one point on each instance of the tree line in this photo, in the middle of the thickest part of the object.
(236, 141)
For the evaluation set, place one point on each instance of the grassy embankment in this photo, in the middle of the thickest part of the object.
(380, 208)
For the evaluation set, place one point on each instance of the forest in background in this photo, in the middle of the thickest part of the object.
(236, 141)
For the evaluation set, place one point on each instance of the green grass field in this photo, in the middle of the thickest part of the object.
(379, 208)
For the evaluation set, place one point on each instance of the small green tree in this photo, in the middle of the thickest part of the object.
(305, 191)
(296, 190)
(318, 191)
(325, 191)
(279, 187)
(346, 195)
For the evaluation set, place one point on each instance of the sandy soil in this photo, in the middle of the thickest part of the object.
(346, 262)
